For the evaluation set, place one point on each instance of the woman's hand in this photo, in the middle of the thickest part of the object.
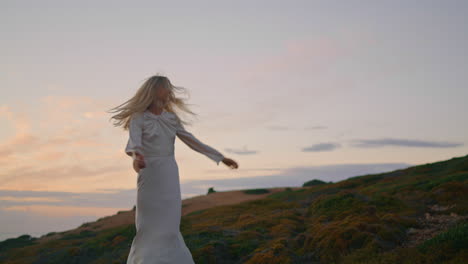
(139, 162)
(230, 163)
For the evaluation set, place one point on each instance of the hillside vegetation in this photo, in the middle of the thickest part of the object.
(413, 215)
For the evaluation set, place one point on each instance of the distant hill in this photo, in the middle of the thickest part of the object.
(412, 215)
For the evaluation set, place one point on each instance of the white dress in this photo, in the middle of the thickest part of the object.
(158, 207)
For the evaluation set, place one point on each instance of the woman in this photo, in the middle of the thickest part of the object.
(153, 125)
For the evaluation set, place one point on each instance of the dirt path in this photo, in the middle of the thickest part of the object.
(223, 198)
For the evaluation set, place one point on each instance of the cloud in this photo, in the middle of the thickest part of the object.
(53, 127)
(105, 199)
(295, 176)
(298, 56)
(21, 222)
(278, 128)
(63, 211)
(28, 199)
(39, 212)
(243, 151)
(59, 149)
(22, 137)
(284, 128)
(315, 127)
(383, 142)
(327, 146)
(55, 175)
(300, 72)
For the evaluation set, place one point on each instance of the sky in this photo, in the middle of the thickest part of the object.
(292, 91)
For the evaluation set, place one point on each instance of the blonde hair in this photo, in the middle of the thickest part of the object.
(146, 96)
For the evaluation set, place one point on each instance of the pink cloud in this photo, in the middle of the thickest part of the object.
(60, 149)
(64, 211)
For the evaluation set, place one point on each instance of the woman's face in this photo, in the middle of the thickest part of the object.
(162, 95)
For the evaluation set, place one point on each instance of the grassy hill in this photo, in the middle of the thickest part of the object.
(413, 215)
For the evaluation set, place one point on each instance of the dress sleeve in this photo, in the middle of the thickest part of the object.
(190, 140)
(134, 136)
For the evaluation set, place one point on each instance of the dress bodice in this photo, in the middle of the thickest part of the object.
(154, 135)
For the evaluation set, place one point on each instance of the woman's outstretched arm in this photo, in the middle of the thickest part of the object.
(190, 140)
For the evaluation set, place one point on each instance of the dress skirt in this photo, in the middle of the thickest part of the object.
(158, 239)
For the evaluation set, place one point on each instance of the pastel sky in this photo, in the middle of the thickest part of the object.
(291, 90)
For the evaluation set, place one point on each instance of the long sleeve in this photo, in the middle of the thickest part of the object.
(135, 135)
(190, 140)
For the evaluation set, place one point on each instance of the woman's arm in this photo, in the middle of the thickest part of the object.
(134, 146)
(190, 140)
